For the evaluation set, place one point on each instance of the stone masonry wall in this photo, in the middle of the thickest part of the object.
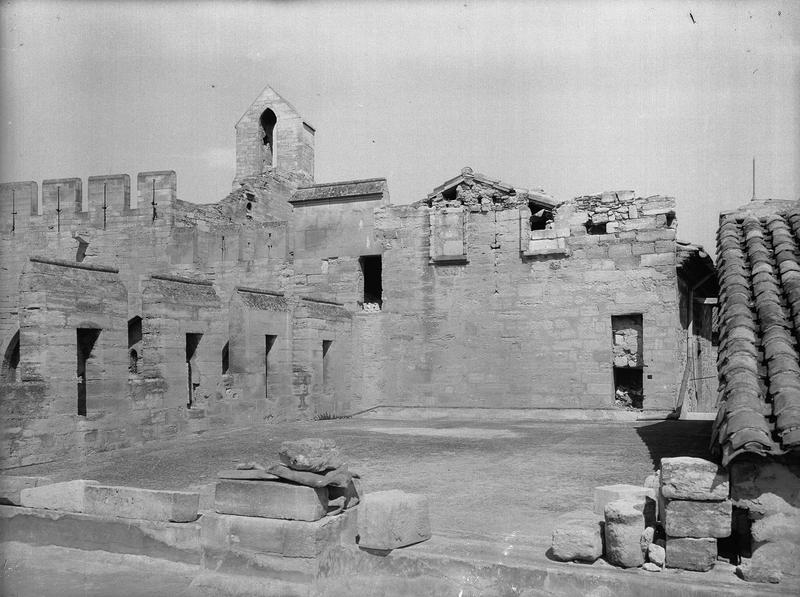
(526, 321)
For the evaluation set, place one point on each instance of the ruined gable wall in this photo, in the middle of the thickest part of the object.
(515, 331)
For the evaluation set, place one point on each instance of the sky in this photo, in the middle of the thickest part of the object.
(574, 97)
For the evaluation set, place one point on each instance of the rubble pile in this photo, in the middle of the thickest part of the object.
(673, 520)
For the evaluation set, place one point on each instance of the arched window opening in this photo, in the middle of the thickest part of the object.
(134, 343)
(10, 370)
(249, 208)
(267, 121)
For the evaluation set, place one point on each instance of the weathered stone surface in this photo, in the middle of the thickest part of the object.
(271, 499)
(691, 553)
(687, 478)
(777, 527)
(646, 538)
(697, 519)
(623, 532)
(656, 554)
(68, 496)
(12, 485)
(643, 497)
(146, 504)
(577, 536)
(391, 519)
(312, 454)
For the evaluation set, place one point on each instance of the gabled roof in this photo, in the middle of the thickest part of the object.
(468, 176)
(759, 319)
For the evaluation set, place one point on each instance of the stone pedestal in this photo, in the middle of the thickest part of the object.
(271, 499)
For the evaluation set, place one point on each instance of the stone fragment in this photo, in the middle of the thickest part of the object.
(623, 532)
(312, 454)
(643, 497)
(145, 504)
(646, 539)
(690, 553)
(68, 496)
(12, 485)
(698, 519)
(651, 567)
(656, 554)
(577, 536)
(247, 475)
(763, 574)
(777, 527)
(687, 478)
(783, 556)
(391, 519)
(271, 499)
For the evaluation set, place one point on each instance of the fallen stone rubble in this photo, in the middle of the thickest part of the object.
(674, 520)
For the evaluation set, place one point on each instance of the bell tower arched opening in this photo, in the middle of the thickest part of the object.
(267, 122)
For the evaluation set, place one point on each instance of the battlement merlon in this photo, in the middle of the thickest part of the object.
(107, 200)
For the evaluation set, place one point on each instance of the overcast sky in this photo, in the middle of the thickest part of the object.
(577, 97)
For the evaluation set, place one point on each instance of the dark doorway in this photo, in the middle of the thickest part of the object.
(269, 342)
(326, 362)
(628, 388)
(627, 333)
(372, 272)
(134, 343)
(86, 338)
(192, 369)
(11, 360)
(226, 358)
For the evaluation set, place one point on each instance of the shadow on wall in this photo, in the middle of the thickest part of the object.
(667, 439)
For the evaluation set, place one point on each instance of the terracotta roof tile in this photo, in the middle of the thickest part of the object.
(759, 363)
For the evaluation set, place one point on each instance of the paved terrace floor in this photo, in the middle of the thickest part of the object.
(504, 481)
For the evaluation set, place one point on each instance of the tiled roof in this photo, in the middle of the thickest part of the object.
(759, 369)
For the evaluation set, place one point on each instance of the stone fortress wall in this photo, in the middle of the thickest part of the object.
(128, 315)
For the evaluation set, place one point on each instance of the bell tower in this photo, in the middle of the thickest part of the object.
(271, 136)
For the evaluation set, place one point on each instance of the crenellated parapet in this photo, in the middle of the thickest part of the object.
(106, 202)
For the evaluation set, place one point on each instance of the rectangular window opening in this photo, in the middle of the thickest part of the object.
(86, 338)
(372, 272)
(192, 368)
(134, 344)
(628, 360)
(269, 342)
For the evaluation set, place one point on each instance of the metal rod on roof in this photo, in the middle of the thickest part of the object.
(754, 179)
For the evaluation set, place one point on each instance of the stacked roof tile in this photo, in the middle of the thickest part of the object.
(759, 367)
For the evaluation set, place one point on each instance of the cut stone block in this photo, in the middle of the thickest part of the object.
(577, 536)
(623, 532)
(145, 504)
(643, 497)
(698, 519)
(271, 499)
(12, 485)
(690, 553)
(312, 454)
(686, 478)
(68, 496)
(391, 519)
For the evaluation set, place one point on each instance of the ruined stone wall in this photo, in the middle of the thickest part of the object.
(525, 319)
(41, 411)
(322, 358)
